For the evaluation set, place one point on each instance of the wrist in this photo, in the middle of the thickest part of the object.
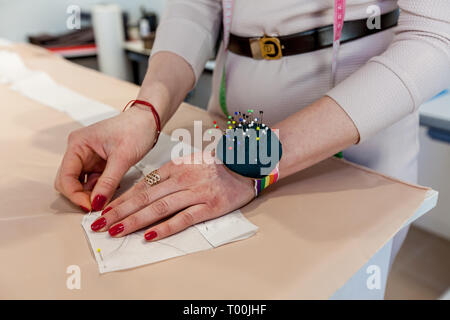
(158, 95)
(146, 114)
(148, 111)
(151, 115)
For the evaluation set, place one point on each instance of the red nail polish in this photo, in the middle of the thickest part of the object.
(85, 209)
(98, 224)
(118, 228)
(106, 210)
(99, 202)
(150, 235)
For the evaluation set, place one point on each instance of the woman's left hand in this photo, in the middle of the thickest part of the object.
(187, 194)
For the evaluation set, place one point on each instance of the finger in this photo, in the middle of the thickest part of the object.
(164, 173)
(178, 222)
(68, 183)
(108, 182)
(158, 210)
(140, 200)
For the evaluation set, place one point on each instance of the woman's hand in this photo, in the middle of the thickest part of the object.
(187, 194)
(104, 151)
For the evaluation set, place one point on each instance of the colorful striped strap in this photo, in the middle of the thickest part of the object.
(261, 184)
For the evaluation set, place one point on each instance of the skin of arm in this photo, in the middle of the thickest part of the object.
(168, 80)
(313, 134)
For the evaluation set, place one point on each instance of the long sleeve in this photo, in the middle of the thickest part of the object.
(414, 67)
(189, 28)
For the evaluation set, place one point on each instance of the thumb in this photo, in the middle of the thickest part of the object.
(108, 182)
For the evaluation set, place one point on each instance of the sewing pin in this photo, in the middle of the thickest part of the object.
(100, 254)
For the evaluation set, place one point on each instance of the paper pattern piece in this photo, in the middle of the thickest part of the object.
(132, 250)
(40, 87)
(12, 67)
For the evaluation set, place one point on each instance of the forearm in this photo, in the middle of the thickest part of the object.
(168, 80)
(313, 134)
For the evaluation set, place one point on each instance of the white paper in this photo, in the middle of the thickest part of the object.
(131, 250)
(12, 67)
(40, 87)
(228, 228)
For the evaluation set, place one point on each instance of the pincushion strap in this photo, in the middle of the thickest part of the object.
(261, 184)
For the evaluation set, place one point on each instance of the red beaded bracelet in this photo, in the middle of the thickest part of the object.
(155, 115)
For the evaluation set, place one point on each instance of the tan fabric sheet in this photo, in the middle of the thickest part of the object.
(316, 228)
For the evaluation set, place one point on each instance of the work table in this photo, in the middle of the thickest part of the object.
(317, 229)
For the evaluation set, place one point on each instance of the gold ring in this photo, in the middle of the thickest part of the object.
(152, 178)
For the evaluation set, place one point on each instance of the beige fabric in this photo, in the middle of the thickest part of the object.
(316, 228)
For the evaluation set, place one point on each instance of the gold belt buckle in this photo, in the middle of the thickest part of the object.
(268, 48)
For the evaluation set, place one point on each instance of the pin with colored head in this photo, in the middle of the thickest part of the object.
(100, 253)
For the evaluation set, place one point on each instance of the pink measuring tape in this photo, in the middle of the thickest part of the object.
(338, 23)
(227, 7)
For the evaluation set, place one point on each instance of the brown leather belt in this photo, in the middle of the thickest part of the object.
(276, 47)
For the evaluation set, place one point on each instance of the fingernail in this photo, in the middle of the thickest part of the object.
(118, 228)
(99, 202)
(150, 235)
(98, 224)
(106, 210)
(85, 209)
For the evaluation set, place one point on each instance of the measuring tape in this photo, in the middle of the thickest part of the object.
(227, 7)
(338, 23)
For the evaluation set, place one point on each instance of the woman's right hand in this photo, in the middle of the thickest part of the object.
(104, 151)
